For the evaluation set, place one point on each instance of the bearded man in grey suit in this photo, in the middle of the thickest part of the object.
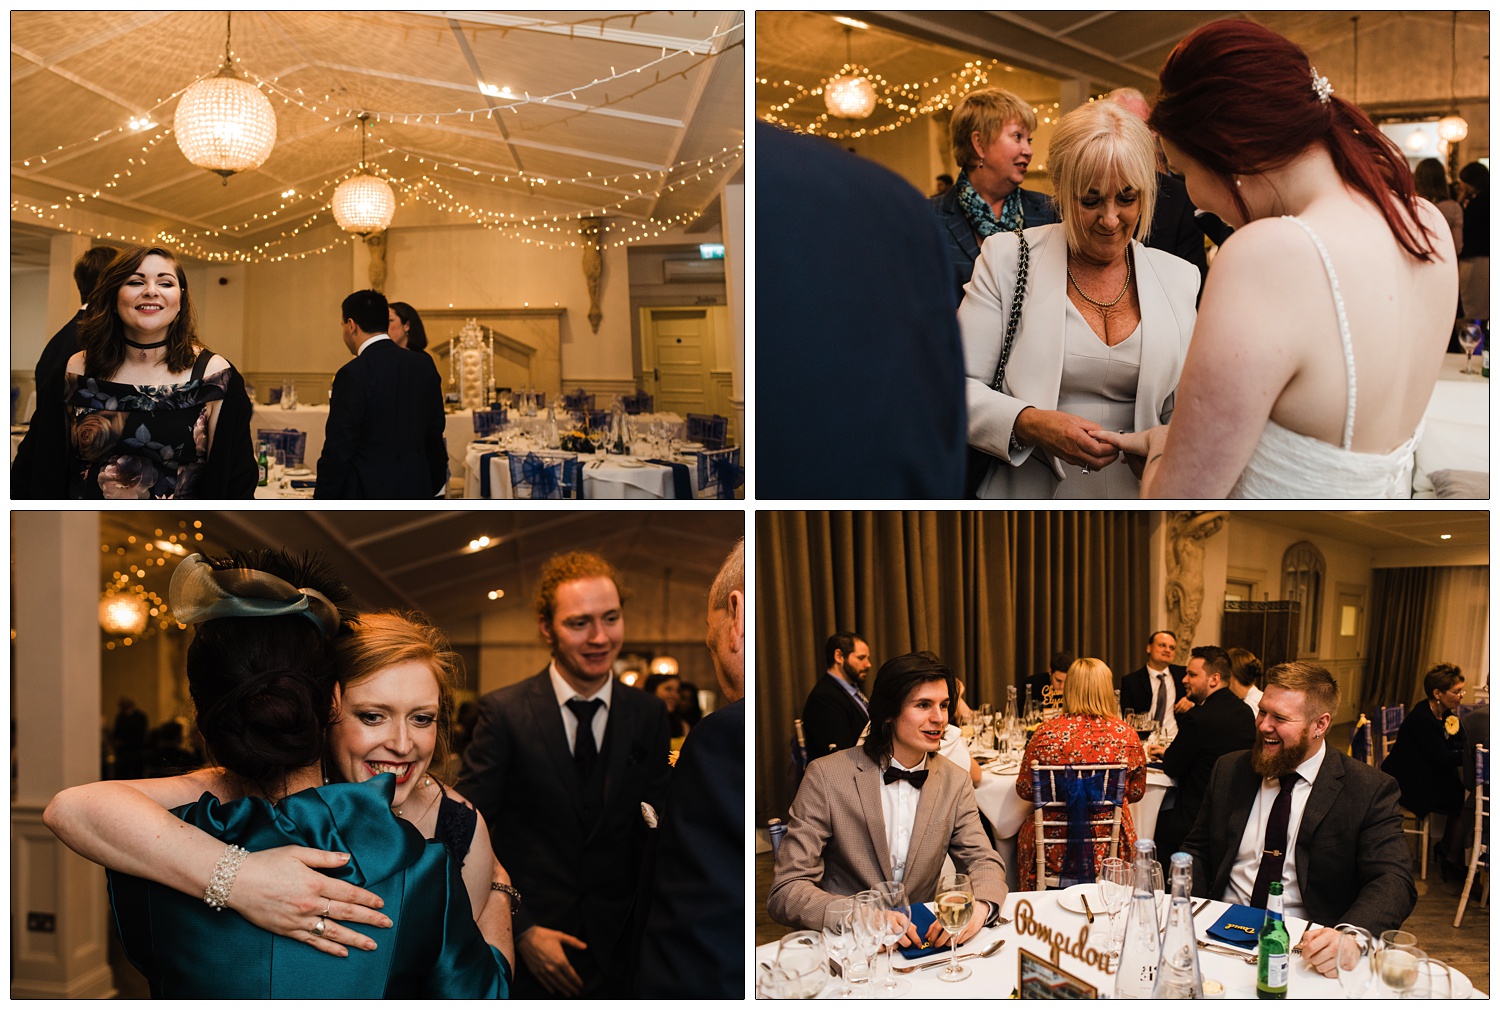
(1292, 794)
(891, 809)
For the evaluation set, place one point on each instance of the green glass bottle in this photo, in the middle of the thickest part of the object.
(263, 466)
(1275, 944)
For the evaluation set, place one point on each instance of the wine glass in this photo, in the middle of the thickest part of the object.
(955, 906)
(838, 938)
(869, 930)
(1398, 968)
(1470, 333)
(1356, 948)
(801, 959)
(1434, 980)
(897, 917)
(1116, 877)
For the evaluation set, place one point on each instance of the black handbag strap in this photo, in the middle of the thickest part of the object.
(1017, 300)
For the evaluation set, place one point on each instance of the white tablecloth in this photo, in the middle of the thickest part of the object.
(1456, 426)
(998, 800)
(994, 977)
(458, 430)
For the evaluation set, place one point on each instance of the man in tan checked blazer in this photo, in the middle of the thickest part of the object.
(891, 809)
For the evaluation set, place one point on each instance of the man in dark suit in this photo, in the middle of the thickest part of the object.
(693, 946)
(1140, 689)
(1292, 795)
(1217, 724)
(835, 712)
(64, 343)
(1055, 677)
(862, 301)
(385, 415)
(559, 766)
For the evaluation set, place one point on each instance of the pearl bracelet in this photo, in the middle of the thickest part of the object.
(216, 894)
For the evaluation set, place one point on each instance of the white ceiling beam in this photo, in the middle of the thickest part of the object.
(130, 23)
(1082, 23)
(599, 33)
(73, 78)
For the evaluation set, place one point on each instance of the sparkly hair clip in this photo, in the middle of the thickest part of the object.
(1321, 87)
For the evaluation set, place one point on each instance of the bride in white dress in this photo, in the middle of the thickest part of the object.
(1323, 322)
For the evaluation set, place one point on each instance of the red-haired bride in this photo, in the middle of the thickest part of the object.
(1325, 317)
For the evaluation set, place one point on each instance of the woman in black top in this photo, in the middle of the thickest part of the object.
(1428, 753)
(1474, 259)
(144, 410)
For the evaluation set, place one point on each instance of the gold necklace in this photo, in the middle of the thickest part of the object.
(1104, 307)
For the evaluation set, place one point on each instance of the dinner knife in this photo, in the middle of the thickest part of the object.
(1086, 909)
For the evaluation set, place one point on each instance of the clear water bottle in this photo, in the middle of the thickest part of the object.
(1140, 951)
(1179, 977)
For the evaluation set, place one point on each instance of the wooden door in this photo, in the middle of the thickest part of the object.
(679, 359)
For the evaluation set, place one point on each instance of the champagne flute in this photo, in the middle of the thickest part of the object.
(838, 937)
(1116, 876)
(897, 909)
(955, 906)
(1470, 332)
(869, 912)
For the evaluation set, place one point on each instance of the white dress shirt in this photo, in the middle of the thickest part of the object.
(371, 340)
(1161, 680)
(898, 802)
(565, 694)
(1252, 698)
(1247, 860)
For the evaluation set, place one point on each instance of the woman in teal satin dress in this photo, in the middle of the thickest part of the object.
(261, 669)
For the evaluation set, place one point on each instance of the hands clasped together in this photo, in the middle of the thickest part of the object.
(937, 936)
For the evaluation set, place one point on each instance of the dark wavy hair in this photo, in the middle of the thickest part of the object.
(1237, 98)
(1440, 677)
(263, 686)
(416, 333)
(101, 334)
(894, 682)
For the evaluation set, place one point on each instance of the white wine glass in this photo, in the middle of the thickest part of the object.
(1398, 969)
(1116, 877)
(838, 938)
(1434, 980)
(1356, 947)
(954, 907)
(897, 918)
(801, 959)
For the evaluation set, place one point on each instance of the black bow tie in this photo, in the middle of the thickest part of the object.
(894, 774)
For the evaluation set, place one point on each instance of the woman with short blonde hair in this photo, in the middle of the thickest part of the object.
(1089, 732)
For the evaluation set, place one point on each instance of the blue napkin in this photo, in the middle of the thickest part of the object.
(484, 473)
(1239, 925)
(303, 484)
(922, 918)
(682, 481)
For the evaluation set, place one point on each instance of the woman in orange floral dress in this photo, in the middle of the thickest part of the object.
(1088, 732)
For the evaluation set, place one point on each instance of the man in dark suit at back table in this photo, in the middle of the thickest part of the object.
(1294, 810)
(385, 415)
(1140, 689)
(693, 946)
(64, 343)
(1217, 724)
(856, 333)
(835, 712)
(559, 764)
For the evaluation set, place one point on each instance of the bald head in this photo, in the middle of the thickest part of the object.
(1132, 101)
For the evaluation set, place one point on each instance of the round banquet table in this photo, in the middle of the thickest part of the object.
(458, 429)
(996, 976)
(604, 477)
(1006, 811)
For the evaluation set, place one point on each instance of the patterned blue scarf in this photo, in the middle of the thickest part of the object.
(977, 210)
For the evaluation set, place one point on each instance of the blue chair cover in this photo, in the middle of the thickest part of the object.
(682, 479)
(1390, 719)
(640, 403)
(487, 422)
(578, 401)
(709, 429)
(540, 478)
(1082, 793)
(1359, 743)
(598, 420)
(721, 471)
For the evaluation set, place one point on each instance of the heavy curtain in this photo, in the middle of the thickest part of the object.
(1400, 614)
(994, 594)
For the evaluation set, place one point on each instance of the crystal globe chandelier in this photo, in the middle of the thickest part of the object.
(364, 203)
(849, 96)
(223, 123)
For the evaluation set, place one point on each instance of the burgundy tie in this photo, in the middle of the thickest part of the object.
(1273, 854)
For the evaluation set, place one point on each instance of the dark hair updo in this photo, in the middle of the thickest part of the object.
(1238, 98)
(263, 686)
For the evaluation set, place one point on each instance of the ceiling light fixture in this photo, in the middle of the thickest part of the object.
(849, 95)
(223, 123)
(497, 594)
(851, 23)
(364, 203)
(1445, 536)
(479, 544)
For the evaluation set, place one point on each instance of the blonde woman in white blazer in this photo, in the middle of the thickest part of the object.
(1104, 326)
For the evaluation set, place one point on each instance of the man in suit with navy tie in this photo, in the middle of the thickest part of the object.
(559, 766)
(385, 414)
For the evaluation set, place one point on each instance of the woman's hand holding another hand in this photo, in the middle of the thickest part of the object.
(1067, 437)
